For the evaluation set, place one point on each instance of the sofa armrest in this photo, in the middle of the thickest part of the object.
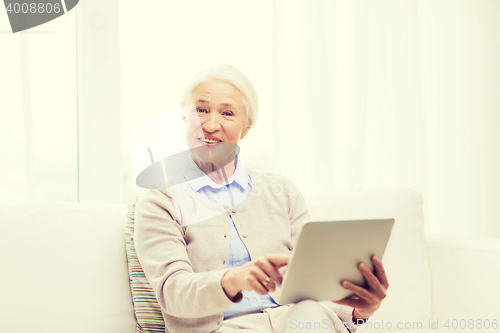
(464, 273)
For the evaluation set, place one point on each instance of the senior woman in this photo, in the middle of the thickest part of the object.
(212, 246)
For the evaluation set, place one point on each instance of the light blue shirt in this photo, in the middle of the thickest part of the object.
(231, 193)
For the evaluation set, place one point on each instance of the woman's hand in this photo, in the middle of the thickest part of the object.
(260, 275)
(367, 301)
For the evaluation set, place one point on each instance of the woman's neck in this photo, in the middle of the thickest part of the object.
(217, 174)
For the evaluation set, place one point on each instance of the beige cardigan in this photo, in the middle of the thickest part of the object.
(184, 257)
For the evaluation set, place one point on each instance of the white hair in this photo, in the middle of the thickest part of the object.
(230, 75)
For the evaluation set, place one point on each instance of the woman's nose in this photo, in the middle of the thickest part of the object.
(211, 123)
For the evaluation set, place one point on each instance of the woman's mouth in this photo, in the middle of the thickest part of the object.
(210, 142)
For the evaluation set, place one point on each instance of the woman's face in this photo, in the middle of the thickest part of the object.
(216, 122)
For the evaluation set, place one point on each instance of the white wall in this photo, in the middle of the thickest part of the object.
(414, 95)
(460, 52)
(162, 49)
(38, 150)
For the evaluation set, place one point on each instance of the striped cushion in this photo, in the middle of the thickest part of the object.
(147, 310)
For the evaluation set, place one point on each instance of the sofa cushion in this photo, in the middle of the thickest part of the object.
(405, 260)
(64, 269)
(147, 310)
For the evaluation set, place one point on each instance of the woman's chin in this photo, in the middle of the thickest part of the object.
(219, 154)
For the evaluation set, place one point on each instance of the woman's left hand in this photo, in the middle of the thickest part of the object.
(367, 301)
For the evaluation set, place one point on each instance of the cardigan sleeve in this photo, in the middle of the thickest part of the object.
(161, 249)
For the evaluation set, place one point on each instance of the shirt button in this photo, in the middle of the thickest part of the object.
(232, 237)
(254, 299)
(238, 263)
(223, 262)
(222, 188)
(233, 210)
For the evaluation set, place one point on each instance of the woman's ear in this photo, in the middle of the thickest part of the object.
(185, 111)
(245, 131)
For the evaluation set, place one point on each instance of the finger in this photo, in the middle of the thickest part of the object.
(270, 285)
(359, 291)
(372, 280)
(278, 260)
(380, 272)
(257, 286)
(270, 269)
(262, 277)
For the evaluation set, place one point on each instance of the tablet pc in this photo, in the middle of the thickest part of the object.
(326, 253)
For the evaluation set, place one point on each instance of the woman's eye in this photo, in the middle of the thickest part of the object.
(227, 113)
(201, 110)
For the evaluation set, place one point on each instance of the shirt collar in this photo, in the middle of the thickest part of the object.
(197, 179)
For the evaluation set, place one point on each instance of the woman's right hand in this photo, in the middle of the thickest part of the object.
(260, 275)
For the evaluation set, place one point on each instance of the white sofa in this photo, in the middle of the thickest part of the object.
(64, 268)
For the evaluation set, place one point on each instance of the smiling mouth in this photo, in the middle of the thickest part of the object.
(209, 140)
